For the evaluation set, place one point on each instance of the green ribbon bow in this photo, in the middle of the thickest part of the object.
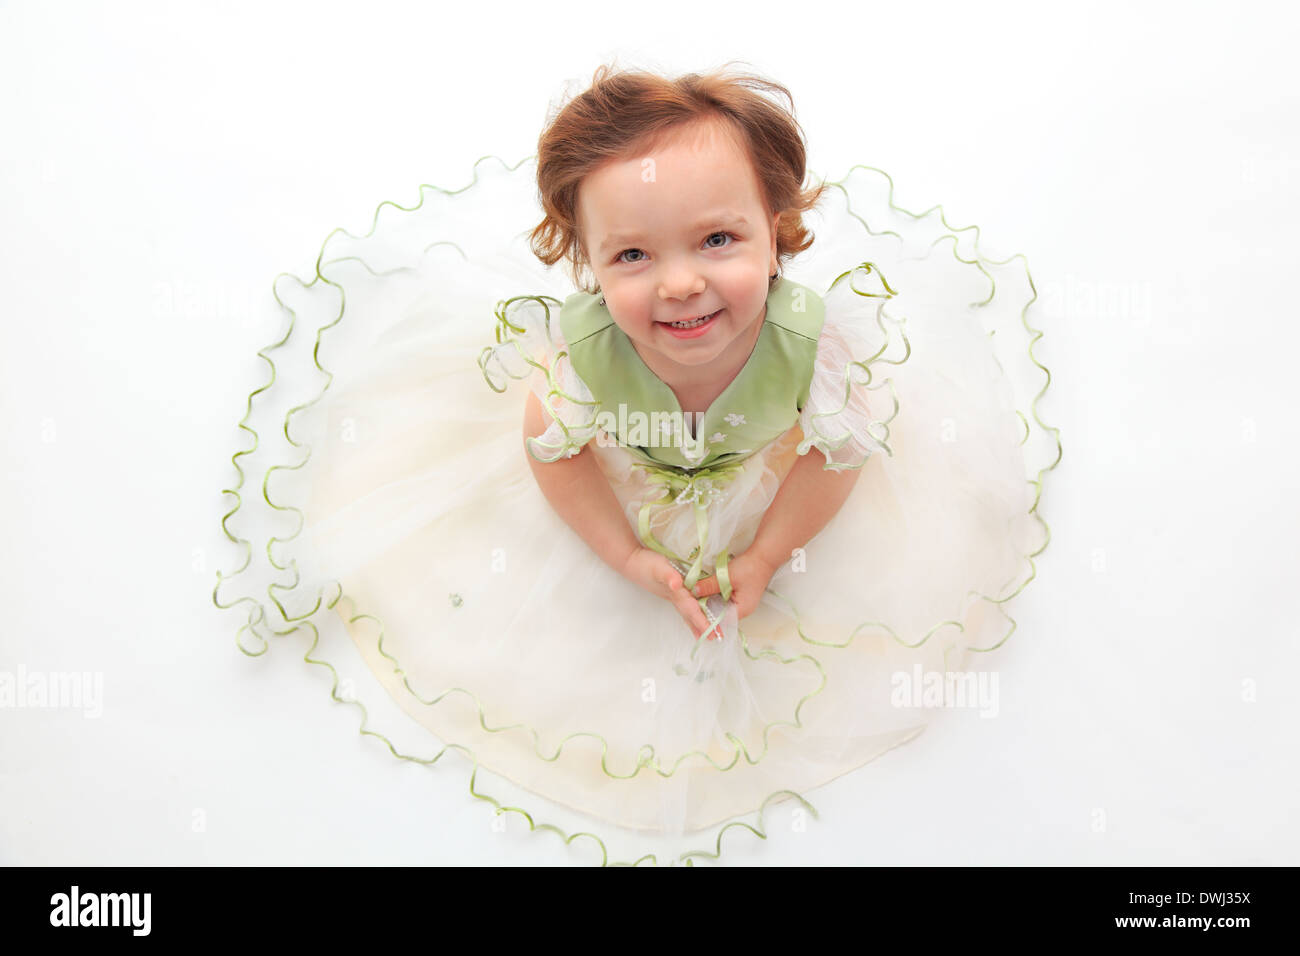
(700, 487)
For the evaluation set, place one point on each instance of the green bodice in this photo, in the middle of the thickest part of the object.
(640, 411)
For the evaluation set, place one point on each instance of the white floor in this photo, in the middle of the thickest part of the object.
(161, 165)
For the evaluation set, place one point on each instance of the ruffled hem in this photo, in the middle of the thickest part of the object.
(837, 419)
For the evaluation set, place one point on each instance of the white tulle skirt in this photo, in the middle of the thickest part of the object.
(399, 532)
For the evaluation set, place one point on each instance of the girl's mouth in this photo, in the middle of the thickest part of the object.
(693, 328)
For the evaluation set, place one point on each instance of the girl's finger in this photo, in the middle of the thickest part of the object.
(694, 616)
(689, 609)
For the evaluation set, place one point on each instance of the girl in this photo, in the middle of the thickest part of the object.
(720, 265)
(846, 462)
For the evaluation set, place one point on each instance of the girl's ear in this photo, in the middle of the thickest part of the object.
(775, 225)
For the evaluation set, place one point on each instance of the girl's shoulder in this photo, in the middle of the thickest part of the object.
(796, 309)
(583, 315)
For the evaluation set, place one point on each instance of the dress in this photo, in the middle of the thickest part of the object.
(401, 535)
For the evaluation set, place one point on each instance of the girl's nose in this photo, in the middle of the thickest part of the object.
(680, 283)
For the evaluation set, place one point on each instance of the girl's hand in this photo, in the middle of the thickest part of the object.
(750, 573)
(652, 571)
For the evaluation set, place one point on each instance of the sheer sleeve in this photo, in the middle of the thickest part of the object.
(530, 345)
(849, 403)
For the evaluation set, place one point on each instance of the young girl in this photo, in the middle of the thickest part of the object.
(691, 299)
(755, 523)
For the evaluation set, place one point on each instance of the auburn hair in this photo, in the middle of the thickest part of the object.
(626, 112)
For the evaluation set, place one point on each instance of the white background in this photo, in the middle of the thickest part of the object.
(161, 163)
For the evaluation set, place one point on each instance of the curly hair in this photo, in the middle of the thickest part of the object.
(627, 112)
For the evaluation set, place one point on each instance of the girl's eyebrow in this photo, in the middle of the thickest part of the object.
(724, 218)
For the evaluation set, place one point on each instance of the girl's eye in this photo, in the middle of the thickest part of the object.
(641, 255)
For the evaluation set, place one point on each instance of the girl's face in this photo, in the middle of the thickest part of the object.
(677, 234)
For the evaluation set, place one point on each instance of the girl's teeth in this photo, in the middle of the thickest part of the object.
(692, 324)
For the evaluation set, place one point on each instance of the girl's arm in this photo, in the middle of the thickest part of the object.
(807, 499)
(581, 495)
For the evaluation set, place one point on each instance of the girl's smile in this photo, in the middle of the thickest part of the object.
(691, 328)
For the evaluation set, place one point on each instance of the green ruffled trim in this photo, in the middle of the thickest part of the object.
(257, 613)
(878, 429)
(507, 336)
